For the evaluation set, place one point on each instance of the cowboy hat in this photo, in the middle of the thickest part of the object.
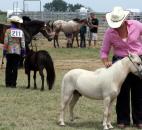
(16, 19)
(116, 17)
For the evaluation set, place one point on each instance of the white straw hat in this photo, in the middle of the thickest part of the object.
(16, 19)
(116, 17)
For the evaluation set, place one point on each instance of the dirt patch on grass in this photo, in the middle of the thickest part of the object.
(67, 64)
(89, 64)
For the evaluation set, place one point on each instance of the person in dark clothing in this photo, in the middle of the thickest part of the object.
(14, 46)
(124, 37)
(94, 23)
(83, 30)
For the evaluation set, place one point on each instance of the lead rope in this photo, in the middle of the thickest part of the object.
(139, 72)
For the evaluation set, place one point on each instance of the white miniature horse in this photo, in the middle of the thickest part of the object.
(72, 26)
(102, 84)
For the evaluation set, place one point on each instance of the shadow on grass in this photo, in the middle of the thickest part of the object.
(1, 85)
(22, 88)
(88, 124)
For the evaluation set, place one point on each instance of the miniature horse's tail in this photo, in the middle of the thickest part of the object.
(50, 71)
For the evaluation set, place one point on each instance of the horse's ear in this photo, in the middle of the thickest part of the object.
(49, 23)
(84, 21)
(26, 18)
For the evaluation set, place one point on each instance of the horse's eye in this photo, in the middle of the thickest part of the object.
(138, 64)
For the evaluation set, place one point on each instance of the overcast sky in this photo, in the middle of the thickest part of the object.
(96, 5)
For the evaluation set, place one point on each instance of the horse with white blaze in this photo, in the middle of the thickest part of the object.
(102, 84)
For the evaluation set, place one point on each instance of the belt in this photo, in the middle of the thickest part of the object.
(116, 58)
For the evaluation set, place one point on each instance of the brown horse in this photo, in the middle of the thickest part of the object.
(72, 26)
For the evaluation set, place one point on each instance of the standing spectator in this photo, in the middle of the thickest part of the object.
(83, 30)
(94, 23)
(14, 46)
(124, 36)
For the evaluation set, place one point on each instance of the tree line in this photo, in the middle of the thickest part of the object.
(61, 5)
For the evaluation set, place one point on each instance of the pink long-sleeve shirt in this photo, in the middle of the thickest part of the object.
(121, 48)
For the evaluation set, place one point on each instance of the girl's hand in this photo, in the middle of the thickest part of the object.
(106, 62)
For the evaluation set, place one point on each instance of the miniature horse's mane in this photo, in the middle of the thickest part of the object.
(76, 19)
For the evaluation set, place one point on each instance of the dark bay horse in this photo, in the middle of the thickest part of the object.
(38, 61)
(72, 26)
(30, 29)
(34, 27)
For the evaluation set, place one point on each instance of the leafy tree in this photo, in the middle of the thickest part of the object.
(56, 5)
(77, 6)
(70, 7)
(60, 5)
(74, 7)
(49, 7)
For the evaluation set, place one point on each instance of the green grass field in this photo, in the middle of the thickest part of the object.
(22, 109)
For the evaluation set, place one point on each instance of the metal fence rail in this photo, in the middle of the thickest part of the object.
(46, 15)
(52, 16)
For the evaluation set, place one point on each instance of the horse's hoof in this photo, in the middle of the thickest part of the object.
(27, 87)
(110, 127)
(106, 128)
(62, 124)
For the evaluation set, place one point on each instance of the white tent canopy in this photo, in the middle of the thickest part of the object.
(11, 12)
(133, 10)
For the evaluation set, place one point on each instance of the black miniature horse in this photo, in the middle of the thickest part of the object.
(38, 61)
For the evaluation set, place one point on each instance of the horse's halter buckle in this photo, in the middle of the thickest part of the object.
(45, 25)
(44, 28)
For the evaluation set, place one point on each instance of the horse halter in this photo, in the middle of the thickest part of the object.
(44, 28)
(139, 72)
